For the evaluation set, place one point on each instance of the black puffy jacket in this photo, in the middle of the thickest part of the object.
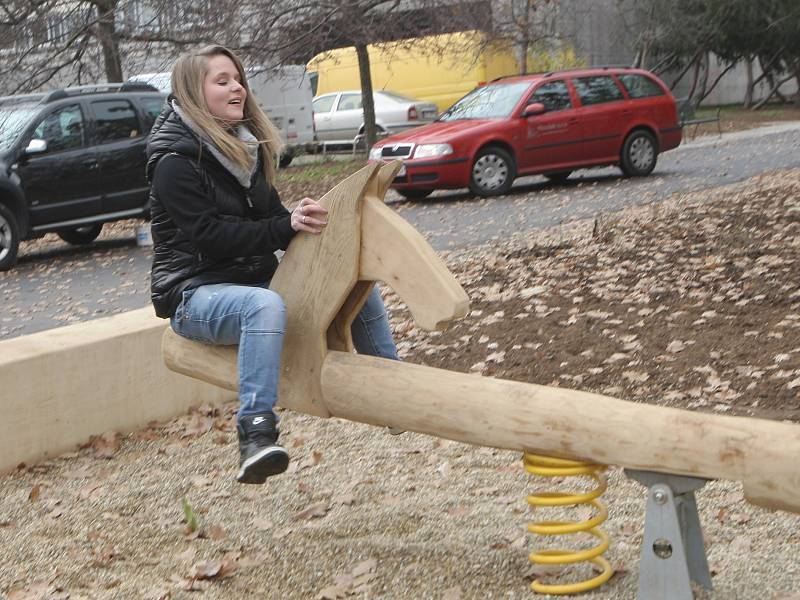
(206, 227)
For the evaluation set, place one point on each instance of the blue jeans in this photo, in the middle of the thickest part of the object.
(255, 318)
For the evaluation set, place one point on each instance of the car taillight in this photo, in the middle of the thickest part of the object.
(412, 113)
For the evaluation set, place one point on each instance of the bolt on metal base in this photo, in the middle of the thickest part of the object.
(672, 554)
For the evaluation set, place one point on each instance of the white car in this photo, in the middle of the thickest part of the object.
(338, 116)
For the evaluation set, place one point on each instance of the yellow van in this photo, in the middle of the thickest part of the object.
(439, 68)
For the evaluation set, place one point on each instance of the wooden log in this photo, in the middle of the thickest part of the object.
(762, 454)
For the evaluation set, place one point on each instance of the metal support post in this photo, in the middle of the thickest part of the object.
(673, 553)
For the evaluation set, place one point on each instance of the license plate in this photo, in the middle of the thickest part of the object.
(401, 172)
(428, 114)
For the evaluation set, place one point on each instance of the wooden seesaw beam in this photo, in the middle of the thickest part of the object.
(324, 281)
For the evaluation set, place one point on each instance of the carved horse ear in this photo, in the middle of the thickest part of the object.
(378, 187)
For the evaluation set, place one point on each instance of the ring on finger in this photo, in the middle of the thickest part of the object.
(304, 220)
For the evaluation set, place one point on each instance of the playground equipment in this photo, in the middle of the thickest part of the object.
(324, 281)
(546, 466)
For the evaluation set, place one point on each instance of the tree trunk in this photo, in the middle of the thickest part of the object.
(704, 82)
(697, 65)
(523, 55)
(706, 92)
(797, 76)
(685, 69)
(640, 61)
(771, 93)
(524, 32)
(106, 35)
(748, 94)
(367, 100)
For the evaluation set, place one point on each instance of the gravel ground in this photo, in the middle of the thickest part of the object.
(362, 514)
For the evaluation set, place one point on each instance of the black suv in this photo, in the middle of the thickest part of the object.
(71, 160)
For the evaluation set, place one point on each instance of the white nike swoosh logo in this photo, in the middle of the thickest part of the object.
(258, 420)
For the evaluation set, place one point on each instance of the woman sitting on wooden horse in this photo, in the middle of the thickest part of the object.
(216, 223)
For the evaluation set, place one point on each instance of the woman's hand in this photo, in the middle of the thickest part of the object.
(309, 216)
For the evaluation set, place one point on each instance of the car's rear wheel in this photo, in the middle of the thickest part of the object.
(492, 172)
(639, 154)
(415, 194)
(558, 177)
(9, 238)
(81, 235)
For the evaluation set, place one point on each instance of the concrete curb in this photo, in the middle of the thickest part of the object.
(61, 386)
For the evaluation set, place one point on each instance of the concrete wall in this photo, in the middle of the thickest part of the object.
(733, 85)
(59, 387)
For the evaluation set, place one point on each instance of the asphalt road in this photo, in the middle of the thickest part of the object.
(55, 284)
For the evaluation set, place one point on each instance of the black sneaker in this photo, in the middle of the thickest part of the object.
(260, 455)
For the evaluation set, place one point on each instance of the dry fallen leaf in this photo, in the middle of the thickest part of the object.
(453, 593)
(35, 493)
(345, 499)
(262, 524)
(333, 592)
(316, 510)
(676, 346)
(365, 567)
(104, 446)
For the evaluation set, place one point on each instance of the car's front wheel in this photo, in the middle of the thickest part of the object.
(81, 235)
(9, 238)
(492, 172)
(413, 194)
(639, 154)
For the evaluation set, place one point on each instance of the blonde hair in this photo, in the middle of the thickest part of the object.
(188, 76)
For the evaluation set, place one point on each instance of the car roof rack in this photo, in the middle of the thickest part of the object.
(549, 73)
(99, 88)
(22, 97)
(589, 68)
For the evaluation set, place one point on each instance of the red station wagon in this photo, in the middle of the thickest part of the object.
(550, 124)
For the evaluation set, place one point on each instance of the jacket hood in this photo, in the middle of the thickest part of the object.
(170, 135)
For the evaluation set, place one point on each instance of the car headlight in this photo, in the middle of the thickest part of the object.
(375, 153)
(428, 150)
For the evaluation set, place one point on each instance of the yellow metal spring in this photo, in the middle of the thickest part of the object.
(556, 467)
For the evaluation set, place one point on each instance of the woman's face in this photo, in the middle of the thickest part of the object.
(223, 90)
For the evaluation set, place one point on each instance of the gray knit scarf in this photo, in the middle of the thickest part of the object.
(243, 176)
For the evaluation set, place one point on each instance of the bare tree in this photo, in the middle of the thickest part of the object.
(680, 36)
(298, 33)
(530, 24)
(61, 42)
